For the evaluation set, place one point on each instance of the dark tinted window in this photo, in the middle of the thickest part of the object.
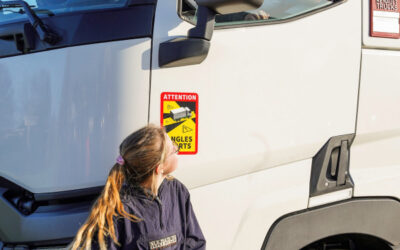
(49, 7)
(271, 10)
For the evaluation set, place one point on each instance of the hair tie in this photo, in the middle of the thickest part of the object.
(120, 160)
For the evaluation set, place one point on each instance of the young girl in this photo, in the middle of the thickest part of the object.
(141, 206)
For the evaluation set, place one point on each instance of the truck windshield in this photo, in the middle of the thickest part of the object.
(54, 7)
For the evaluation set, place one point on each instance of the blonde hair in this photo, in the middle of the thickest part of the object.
(142, 152)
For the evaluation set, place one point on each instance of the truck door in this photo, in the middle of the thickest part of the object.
(277, 83)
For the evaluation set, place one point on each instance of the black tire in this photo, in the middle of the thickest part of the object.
(349, 242)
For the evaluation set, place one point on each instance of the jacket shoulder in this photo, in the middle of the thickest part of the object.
(177, 186)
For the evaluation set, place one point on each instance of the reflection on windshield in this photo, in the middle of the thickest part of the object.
(57, 7)
(281, 9)
(270, 10)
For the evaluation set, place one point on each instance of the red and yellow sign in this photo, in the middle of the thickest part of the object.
(180, 117)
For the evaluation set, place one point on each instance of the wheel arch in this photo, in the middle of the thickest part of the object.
(378, 217)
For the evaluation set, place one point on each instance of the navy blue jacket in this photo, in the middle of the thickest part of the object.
(168, 221)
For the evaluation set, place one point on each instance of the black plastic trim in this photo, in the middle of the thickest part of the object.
(82, 27)
(330, 166)
(270, 22)
(59, 244)
(45, 218)
(182, 51)
(375, 216)
(68, 194)
(55, 222)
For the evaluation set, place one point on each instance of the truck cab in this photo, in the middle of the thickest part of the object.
(285, 112)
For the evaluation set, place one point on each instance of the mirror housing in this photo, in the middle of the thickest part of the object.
(194, 48)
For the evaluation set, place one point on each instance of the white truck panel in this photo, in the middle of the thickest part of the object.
(64, 120)
(375, 158)
(232, 213)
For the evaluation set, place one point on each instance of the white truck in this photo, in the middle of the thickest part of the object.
(294, 136)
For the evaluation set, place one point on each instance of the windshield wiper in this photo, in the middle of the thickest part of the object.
(44, 33)
(37, 11)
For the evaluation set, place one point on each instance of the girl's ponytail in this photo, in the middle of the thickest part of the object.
(100, 219)
(140, 153)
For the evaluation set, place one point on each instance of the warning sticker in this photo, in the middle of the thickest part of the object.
(180, 117)
(385, 16)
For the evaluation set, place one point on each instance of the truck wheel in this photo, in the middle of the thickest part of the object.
(349, 242)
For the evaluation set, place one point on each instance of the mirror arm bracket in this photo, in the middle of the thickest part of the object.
(205, 24)
(192, 49)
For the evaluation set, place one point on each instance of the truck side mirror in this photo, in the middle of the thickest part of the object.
(194, 48)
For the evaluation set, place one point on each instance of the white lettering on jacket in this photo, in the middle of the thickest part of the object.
(163, 243)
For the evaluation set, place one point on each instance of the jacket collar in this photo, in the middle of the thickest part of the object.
(140, 192)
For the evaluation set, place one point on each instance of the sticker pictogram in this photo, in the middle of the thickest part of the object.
(186, 129)
(384, 18)
(180, 117)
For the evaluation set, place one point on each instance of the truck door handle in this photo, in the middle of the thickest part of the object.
(330, 166)
(343, 164)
